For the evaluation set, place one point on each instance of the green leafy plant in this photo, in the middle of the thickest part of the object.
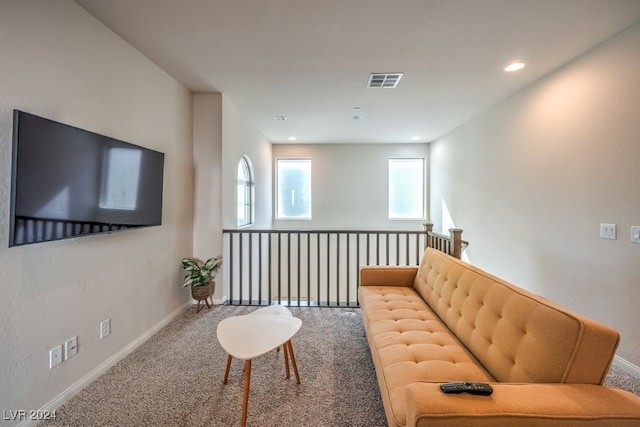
(199, 273)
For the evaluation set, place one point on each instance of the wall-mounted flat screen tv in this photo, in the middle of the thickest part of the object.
(68, 182)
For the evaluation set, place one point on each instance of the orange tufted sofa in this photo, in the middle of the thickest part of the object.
(446, 320)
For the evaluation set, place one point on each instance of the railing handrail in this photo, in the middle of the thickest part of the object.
(455, 245)
(319, 230)
(316, 266)
(452, 244)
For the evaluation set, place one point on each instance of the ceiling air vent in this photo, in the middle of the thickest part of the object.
(384, 80)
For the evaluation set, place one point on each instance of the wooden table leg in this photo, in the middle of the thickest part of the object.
(288, 347)
(245, 401)
(226, 372)
(286, 360)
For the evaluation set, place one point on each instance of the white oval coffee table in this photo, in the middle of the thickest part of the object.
(252, 335)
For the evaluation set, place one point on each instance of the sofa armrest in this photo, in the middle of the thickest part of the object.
(515, 405)
(386, 275)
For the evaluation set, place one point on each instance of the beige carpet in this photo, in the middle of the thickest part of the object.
(620, 378)
(175, 379)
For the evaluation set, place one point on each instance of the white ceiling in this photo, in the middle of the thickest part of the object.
(310, 60)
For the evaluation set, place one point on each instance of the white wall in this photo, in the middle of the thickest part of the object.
(59, 62)
(207, 162)
(531, 179)
(240, 138)
(349, 184)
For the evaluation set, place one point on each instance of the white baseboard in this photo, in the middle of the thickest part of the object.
(627, 366)
(71, 391)
(219, 301)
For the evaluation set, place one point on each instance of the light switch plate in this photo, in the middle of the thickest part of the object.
(635, 234)
(70, 347)
(608, 231)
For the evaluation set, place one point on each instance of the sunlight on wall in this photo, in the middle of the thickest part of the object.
(447, 223)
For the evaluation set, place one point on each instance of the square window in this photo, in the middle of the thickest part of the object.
(406, 189)
(293, 192)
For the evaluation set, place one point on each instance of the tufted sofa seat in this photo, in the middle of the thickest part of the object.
(446, 320)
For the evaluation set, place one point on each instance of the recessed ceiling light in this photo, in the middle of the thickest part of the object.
(280, 118)
(515, 66)
(292, 138)
(415, 138)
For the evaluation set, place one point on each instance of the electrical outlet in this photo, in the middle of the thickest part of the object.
(635, 234)
(105, 328)
(55, 356)
(70, 347)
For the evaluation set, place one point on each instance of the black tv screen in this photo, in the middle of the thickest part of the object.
(68, 182)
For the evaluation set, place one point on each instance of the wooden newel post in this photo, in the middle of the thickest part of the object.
(428, 229)
(456, 242)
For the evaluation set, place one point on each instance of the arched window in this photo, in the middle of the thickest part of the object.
(245, 195)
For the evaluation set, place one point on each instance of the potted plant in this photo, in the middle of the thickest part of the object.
(198, 276)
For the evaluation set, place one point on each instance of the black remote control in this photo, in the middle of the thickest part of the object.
(482, 389)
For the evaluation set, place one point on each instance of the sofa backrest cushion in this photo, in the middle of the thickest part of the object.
(516, 335)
